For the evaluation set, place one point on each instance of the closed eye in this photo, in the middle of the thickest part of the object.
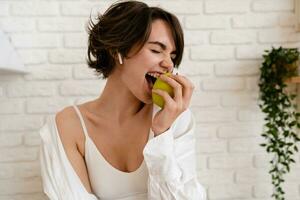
(154, 51)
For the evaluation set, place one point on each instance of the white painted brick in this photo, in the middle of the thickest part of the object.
(193, 37)
(49, 72)
(246, 145)
(201, 99)
(23, 122)
(207, 52)
(219, 176)
(6, 171)
(251, 114)
(211, 146)
(82, 71)
(206, 22)
(227, 6)
(27, 169)
(82, 88)
(9, 76)
(214, 115)
(269, 36)
(230, 191)
(287, 19)
(32, 56)
(250, 51)
(20, 186)
(11, 106)
(234, 100)
(293, 176)
(233, 37)
(34, 196)
(245, 130)
(292, 190)
(185, 56)
(252, 83)
(42, 40)
(76, 40)
(256, 20)
(1, 90)
(45, 105)
(30, 89)
(263, 189)
(21, 169)
(4, 9)
(80, 99)
(230, 161)
(205, 131)
(35, 8)
(83, 8)
(32, 139)
(18, 154)
(188, 7)
(17, 24)
(201, 162)
(262, 160)
(237, 68)
(252, 176)
(192, 68)
(273, 5)
(62, 24)
(2, 197)
(67, 56)
(10, 140)
(221, 84)
(196, 82)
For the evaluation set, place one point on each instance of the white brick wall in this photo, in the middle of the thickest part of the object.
(225, 40)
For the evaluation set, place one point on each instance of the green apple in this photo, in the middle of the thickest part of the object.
(160, 84)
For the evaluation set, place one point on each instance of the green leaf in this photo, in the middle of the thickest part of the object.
(296, 148)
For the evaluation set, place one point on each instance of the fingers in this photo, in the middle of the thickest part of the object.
(167, 98)
(177, 88)
(183, 89)
(186, 89)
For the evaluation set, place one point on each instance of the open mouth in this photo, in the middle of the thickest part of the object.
(151, 78)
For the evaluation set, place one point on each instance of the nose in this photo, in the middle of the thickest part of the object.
(167, 63)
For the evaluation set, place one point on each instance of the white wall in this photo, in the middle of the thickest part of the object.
(225, 40)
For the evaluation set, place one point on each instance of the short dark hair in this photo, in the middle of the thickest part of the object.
(123, 25)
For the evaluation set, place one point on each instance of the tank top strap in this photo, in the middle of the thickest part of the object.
(81, 120)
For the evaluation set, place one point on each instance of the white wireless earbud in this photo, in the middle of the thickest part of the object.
(120, 59)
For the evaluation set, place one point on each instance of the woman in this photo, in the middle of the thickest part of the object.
(120, 145)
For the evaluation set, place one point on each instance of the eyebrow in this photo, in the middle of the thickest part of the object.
(162, 45)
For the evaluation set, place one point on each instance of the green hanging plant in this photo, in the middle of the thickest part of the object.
(280, 129)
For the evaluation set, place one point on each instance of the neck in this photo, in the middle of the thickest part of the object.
(118, 103)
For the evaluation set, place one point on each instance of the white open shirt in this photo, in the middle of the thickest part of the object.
(170, 158)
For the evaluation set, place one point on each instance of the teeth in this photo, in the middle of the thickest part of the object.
(154, 74)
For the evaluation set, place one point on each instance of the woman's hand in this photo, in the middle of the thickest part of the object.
(183, 90)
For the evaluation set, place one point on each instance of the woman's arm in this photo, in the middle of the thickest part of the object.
(63, 169)
(68, 125)
(171, 161)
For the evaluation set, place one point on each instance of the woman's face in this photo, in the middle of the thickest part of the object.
(155, 56)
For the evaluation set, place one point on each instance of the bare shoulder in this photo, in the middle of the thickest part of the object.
(70, 131)
(68, 125)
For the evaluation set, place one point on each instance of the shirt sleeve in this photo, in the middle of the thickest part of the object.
(171, 161)
(60, 181)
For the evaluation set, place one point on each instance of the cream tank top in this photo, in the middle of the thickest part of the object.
(107, 182)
